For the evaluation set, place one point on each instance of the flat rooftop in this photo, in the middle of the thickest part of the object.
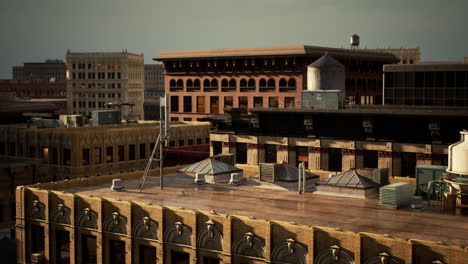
(357, 215)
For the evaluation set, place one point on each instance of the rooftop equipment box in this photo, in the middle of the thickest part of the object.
(322, 99)
(106, 117)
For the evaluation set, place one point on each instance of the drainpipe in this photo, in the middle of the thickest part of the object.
(303, 178)
(299, 177)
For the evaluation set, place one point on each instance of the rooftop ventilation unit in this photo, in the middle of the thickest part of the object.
(396, 195)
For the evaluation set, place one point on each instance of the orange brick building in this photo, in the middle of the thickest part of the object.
(204, 82)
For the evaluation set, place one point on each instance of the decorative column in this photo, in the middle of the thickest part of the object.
(211, 148)
(314, 158)
(348, 160)
(324, 159)
(292, 156)
(225, 147)
(232, 149)
(281, 154)
(252, 154)
(359, 159)
(385, 161)
(396, 163)
(261, 153)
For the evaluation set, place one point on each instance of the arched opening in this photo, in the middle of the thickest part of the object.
(271, 83)
(232, 83)
(292, 83)
(282, 83)
(251, 83)
(243, 83)
(214, 83)
(224, 83)
(180, 83)
(189, 83)
(206, 83)
(262, 83)
(196, 83)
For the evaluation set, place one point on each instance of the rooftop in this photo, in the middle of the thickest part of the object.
(275, 51)
(357, 215)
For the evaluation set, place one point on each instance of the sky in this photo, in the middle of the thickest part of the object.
(35, 30)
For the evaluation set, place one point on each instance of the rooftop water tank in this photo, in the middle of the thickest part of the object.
(354, 41)
(458, 155)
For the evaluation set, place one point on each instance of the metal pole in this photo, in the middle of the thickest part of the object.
(299, 177)
(303, 178)
(161, 143)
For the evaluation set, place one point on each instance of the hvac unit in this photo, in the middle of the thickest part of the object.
(396, 195)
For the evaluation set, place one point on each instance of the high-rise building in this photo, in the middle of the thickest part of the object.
(50, 69)
(154, 80)
(96, 79)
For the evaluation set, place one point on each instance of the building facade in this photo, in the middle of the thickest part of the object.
(58, 224)
(35, 88)
(404, 55)
(97, 79)
(441, 84)
(67, 153)
(340, 140)
(48, 70)
(205, 82)
(154, 80)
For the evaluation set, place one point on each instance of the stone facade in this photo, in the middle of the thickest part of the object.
(405, 55)
(97, 79)
(169, 234)
(154, 80)
(67, 153)
(388, 154)
(46, 71)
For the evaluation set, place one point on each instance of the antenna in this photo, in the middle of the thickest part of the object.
(161, 142)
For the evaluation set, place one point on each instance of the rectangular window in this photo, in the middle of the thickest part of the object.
(270, 153)
(109, 154)
(190, 142)
(97, 155)
(181, 143)
(258, 102)
(62, 246)
(187, 104)
(200, 104)
(147, 254)
(131, 152)
(54, 156)
(273, 102)
(241, 153)
(116, 252)
(174, 103)
(37, 239)
(199, 141)
(86, 157)
(243, 104)
(32, 151)
(88, 249)
(289, 102)
(66, 157)
(228, 102)
(214, 104)
(142, 151)
(121, 153)
(217, 147)
(45, 155)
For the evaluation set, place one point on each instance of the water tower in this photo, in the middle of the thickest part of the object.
(354, 41)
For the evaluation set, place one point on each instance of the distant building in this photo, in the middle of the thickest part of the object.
(96, 79)
(154, 80)
(435, 83)
(35, 88)
(405, 55)
(50, 69)
(205, 82)
(92, 150)
(151, 106)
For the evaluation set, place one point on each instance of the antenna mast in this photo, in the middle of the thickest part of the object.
(161, 142)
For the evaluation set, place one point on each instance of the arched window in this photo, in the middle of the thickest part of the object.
(224, 83)
(292, 83)
(180, 83)
(251, 83)
(214, 83)
(262, 83)
(282, 83)
(189, 83)
(232, 83)
(271, 83)
(206, 83)
(172, 83)
(243, 83)
(196, 83)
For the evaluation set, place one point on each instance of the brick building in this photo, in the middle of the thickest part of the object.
(99, 78)
(404, 55)
(77, 152)
(204, 82)
(50, 69)
(83, 221)
(35, 88)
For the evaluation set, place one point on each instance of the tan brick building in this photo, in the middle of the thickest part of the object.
(98, 78)
(67, 153)
(83, 221)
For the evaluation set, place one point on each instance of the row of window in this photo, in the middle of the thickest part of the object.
(97, 85)
(98, 76)
(82, 66)
(85, 104)
(243, 103)
(437, 79)
(232, 83)
(95, 95)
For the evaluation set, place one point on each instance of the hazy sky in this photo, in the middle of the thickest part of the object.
(34, 30)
